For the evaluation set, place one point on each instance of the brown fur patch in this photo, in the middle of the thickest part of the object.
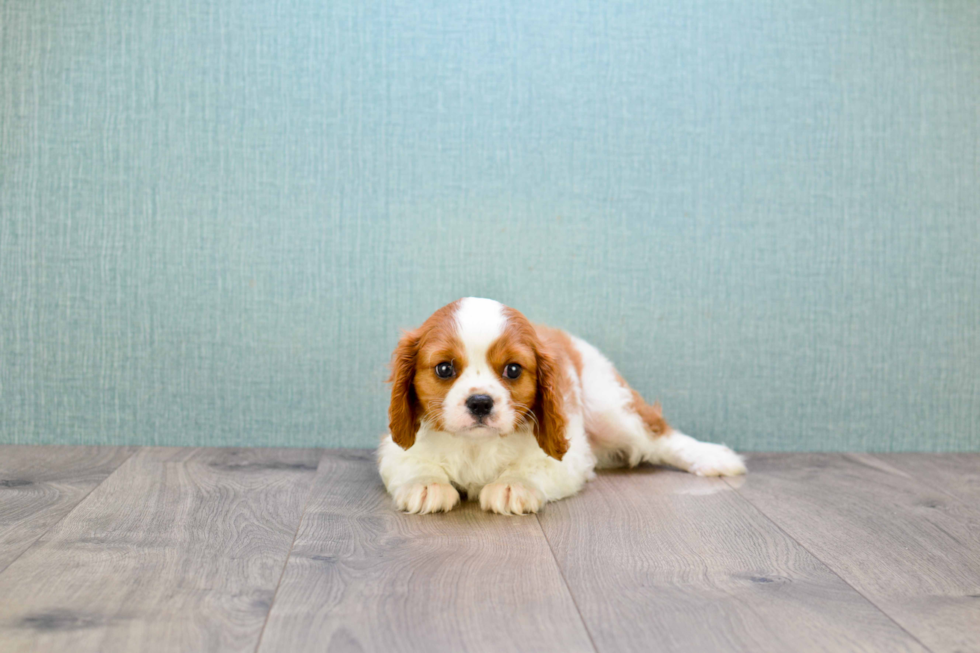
(549, 407)
(516, 344)
(652, 416)
(561, 342)
(545, 368)
(416, 391)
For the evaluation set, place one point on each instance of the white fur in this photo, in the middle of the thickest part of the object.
(506, 469)
(619, 436)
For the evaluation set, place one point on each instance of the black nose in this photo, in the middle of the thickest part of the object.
(480, 405)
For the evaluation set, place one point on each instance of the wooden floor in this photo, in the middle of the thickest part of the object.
(128, 549)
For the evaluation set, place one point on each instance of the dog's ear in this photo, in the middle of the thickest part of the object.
(404, 412)
(549, 405)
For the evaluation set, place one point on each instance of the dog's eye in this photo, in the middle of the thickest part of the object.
(512, 371)
(445, 370)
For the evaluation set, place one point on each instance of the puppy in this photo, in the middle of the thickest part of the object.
(484, 402)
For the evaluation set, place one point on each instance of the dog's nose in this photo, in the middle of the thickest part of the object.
(480, 405)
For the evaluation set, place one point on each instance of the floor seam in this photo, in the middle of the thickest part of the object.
(73, 509)
(827, 566)
(289, 554)
(568, 588)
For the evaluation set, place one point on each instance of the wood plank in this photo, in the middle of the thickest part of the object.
(912, 550)
(364, 577)
(957, 474)
(178, 550)
(659, 560)
(39, 485)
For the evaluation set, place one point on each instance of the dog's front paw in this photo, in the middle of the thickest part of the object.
(511, 498)
(717, 460)
(425, 498)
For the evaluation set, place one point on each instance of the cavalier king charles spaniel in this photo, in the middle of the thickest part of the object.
(486, 403)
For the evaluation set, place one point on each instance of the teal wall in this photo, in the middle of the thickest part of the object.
(216, 215)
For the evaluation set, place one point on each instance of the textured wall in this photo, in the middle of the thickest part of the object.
(216, 215)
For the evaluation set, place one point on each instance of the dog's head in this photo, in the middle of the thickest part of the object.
(476, 369)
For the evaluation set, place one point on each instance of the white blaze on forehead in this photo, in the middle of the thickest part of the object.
(479, 322)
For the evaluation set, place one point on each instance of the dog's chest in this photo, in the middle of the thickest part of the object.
(472, 464)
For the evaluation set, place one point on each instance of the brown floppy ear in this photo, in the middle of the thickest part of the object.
(404, 415)
(549, 406)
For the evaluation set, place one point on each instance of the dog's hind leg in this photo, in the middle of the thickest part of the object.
(624, 430)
